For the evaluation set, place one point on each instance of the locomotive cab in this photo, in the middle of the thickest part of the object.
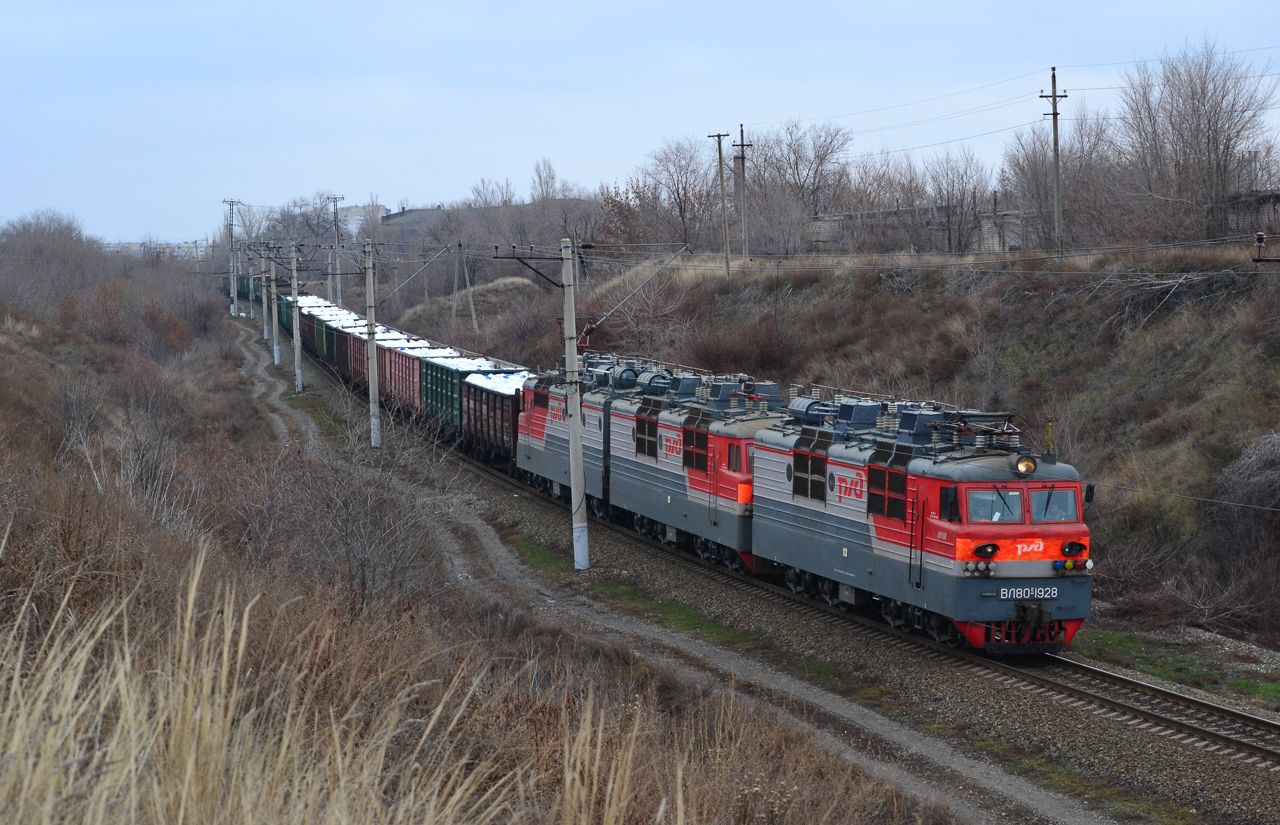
(938, 517)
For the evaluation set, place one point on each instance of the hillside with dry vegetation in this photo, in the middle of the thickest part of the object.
(1156, 369)
(202, 620)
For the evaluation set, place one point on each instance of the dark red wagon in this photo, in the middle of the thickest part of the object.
(491, 405)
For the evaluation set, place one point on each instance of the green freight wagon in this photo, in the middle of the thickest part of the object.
(442, 380)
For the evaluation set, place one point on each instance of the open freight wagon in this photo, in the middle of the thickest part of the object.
(416, 377)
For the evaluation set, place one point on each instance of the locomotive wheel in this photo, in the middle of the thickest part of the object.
(792, 580)
(701, 548)
(892, 613)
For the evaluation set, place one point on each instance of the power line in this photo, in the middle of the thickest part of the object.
(1191, 498)
(1148, 60)
(900, 105)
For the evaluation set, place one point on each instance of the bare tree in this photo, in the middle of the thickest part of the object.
(1190, 130)
(488, 193)
(544, 185)
(806, 160)
(958, 184)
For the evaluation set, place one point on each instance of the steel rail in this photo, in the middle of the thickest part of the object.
(1239, 716)
(1229, 745)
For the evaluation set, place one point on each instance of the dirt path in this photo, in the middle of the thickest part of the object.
(921, 766)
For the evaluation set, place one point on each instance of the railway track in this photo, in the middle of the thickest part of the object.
(1148, 709)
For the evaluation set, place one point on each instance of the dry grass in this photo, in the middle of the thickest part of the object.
(197, 626)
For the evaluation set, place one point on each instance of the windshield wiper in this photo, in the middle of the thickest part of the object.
(1047, 499)
(1005, 502)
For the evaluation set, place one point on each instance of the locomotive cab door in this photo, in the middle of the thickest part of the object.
(713, 477)
(915, 541)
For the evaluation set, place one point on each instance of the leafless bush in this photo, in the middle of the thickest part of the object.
(147, 450)
(80, 411)
(364, 532)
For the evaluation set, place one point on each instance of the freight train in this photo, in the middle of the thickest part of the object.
(938, 518)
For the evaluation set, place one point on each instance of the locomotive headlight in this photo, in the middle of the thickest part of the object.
(1026, 465)
(1072, 548)
(985, 551)
(1088, 564)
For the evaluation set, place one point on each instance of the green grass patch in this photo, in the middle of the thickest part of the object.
(1164, 661)
(1266, 691)
(537, 557)
(674, 616)
(319, 413)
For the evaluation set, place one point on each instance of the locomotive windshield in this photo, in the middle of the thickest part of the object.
(1004, 506)
(1053, 505)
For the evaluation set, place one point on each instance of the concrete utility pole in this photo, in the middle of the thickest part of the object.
(241, 261)
(724, 210)
(262, 270)
(457, 267)
(375, 415)
(573, 412)
(1053, 98)
(337, 252)
(328, 288)
(295, 317)
(275, 307)
(740, 181)
(231, 255)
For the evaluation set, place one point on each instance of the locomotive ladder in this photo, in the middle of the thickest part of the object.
(915, 548)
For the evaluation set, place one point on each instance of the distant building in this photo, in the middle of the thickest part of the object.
(404, 215)
(915, 227)
(1253, 211)
(160, 249)
(349, 217)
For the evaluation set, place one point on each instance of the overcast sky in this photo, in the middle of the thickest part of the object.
(138, 118)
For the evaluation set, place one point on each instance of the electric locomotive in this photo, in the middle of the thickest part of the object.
(937, 516)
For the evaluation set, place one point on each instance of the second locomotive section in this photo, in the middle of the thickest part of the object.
(938, 517)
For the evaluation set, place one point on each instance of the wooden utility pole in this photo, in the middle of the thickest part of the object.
(295, 317)
(724, 210)
(573, 412)
(375, 415)
(740, 179)
(1053, 97)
